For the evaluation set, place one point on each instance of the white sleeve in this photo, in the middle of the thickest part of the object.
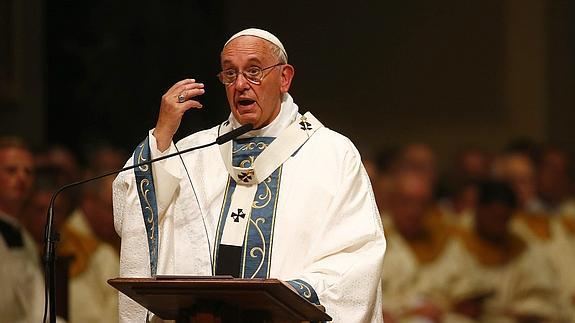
(348, 256)
(167, 175)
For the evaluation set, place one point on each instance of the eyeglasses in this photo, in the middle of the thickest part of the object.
(253, 74)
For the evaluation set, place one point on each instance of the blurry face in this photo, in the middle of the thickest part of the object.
(474, 164)
(16, 176)
(62, 161)
(97, 207)
(257, 104)
(553, 177)
(409, 201)
(521, 174)
(491, 220)
(420, 159)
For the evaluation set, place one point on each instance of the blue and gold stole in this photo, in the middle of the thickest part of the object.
(244, 237)
(255, 254)
(147, 196)
(249, 249)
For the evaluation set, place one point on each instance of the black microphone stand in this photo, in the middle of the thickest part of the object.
(51, 236)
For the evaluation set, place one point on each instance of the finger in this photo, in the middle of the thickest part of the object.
(179, 84)
(191, 104)
(188, 86)
(188, 94)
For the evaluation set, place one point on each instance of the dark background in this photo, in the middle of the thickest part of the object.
(449, 73)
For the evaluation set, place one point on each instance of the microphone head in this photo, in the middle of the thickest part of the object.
(234, 133)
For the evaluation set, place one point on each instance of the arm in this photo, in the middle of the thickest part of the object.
(346, 268)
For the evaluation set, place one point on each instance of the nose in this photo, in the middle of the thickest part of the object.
(23, 174)
(241, 82)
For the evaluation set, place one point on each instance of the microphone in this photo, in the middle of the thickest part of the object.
(51, 236)
(234, 133)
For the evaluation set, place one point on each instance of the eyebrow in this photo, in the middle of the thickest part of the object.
(250, 60)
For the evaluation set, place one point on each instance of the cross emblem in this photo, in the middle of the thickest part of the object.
(304, 124)
(236, 216)
(227, 123)
(245, 176)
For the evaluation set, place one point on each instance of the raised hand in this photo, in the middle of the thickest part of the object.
(175, 102)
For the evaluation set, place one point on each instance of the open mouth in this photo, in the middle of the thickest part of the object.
(245, 102)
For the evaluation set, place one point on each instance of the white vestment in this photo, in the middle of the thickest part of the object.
(91, 298)
(21, 280)
(408, 282)
(327, 229)
(522, 285)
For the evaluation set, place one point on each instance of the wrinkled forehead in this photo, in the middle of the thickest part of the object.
(247, 46)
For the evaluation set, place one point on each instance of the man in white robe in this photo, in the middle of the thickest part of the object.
(21, 281)
(517, 278)
(311, 220)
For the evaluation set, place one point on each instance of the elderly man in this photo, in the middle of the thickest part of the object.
(288, 200)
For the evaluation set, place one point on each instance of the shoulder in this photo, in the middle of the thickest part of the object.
(329, 141)
(333, 138)
(331, 150)
(199, 138)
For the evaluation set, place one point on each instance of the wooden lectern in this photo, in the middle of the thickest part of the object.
(219, 299)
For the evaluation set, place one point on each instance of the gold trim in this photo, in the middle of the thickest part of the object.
(306, 290)
(266, 197)
(244, 246)
(145, 192)
(246, 161)
(251, 146)
(262, 250)
(274, 219)
(143, 168)
(217, 245)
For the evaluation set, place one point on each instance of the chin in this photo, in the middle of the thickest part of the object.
(244, 119)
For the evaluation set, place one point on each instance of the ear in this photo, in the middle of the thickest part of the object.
(286, 77)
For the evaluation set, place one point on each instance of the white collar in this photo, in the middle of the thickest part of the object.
(287, 115)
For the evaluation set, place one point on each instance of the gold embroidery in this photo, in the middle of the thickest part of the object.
(261, 250)
(251, 146)
(247, 162)
(266, 197)
(274, 220)
(143, 168)
(146, 182)
(306, 290)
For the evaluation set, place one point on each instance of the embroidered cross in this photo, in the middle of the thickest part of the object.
(304, 124)
(245, 176)
(236, 216)
(227, 123)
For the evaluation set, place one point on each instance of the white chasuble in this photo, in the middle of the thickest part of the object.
(321, 230)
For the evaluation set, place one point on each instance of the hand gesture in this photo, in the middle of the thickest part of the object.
(175, 102)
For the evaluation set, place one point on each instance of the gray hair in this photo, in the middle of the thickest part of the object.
(278, 53)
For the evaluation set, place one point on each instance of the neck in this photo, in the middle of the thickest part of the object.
(412, 233)
(10, 210)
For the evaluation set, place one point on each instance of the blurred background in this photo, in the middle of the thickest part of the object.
(463, 112)
(451, 73)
